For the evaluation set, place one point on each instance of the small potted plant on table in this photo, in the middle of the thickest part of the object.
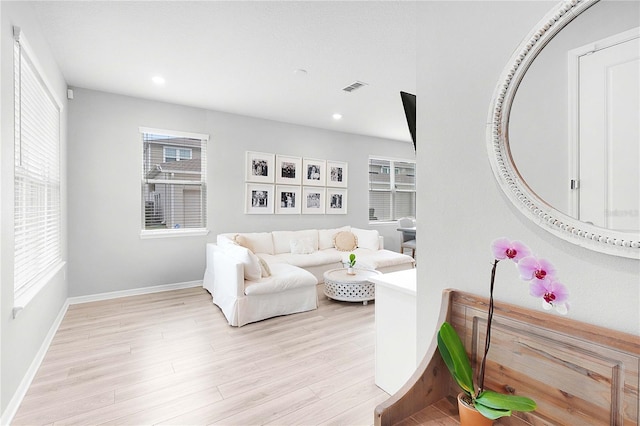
(351, 264)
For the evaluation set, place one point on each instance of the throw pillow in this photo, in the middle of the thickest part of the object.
(345, 241)
(250, 262)
(264, 266)
(325, 237)
(302, 246)
(243, 241)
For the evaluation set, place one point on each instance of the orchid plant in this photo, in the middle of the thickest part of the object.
(543, 284)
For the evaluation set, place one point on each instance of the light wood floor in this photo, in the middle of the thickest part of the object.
(171, 358)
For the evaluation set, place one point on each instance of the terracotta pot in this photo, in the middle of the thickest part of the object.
(469, 416)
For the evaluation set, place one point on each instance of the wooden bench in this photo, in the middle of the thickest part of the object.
(579, 374)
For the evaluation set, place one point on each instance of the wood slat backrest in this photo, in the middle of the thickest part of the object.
(579, 374)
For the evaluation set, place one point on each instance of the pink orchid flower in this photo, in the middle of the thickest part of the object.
(553, 293)
(503, 248)
(532, 268)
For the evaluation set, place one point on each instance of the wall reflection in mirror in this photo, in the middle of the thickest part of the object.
(575, 121)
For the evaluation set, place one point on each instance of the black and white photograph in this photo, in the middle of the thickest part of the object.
(337, 174)
(288, 170)
(259, 167)
(259, 199)
(336, 201)
(288, 199)
(313, 200)
(314, 171)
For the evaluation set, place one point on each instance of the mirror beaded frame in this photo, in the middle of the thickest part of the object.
(625, 244)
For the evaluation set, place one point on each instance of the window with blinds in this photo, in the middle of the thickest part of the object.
(37, 208)
(174, 193)
(392, 189)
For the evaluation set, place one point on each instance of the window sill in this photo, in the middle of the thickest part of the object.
(19, 303)
(170, 233)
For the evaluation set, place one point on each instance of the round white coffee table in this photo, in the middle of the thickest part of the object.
(338, 285)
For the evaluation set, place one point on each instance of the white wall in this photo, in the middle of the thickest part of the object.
(460, 208)
(105, 250)
(540, 146)
(21, 338)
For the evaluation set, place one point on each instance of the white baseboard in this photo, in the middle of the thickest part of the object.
(16, 400)
(14, 404)
(132, 292)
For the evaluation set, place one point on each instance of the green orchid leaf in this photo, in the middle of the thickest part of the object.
(455, 357)
(491, 413)
(506, 402)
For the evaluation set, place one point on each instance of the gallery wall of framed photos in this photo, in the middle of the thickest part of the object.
(284, 184)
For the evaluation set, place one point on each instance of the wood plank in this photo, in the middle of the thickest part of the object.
(172, 358)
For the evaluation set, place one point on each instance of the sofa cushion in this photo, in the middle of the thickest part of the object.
(367, 238)
(259, 242)
(320, 257)
(282, 239)
(345, 241)
(250, 262)
(376, 259)
(325, 237)
(272, 259)
(301, 246)
(283, 277)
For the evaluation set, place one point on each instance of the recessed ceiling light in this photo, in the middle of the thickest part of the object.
(337, 116)
(300, 72)
(159, 80)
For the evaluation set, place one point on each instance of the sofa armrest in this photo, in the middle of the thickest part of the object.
(224, 276)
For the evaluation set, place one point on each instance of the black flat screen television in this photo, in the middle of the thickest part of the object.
(409, 103)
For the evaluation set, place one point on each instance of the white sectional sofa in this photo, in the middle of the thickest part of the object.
(254, 276)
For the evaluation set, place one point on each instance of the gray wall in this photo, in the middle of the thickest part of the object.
(21, 338)
(105, 250)
(461, 209)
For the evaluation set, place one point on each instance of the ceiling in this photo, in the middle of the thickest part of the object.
(241, 56)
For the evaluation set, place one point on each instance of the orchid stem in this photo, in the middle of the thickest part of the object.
(487, 341)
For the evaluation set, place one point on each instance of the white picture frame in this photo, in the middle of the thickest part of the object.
(337, 174)
(336, 201)
(313, 172)
(313, 200)
(288, 199)
(259, 198)
(288, 170)
(259, 167)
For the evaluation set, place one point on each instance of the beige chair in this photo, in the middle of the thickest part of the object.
(408, 237)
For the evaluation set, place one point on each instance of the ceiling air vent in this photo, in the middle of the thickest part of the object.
(354, 86)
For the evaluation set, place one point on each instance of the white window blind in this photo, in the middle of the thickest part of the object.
(174, 171)
(37, 209)
(392, 189)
